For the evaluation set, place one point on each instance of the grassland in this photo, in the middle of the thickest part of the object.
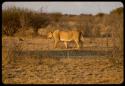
(56, 70)
(25, 30)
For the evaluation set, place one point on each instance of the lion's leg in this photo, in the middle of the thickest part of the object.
(55, 44)
(77, 43)
(65, 44)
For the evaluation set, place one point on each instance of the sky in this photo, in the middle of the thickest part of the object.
(67, 7)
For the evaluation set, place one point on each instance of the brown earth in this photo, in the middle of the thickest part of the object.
(51, 70)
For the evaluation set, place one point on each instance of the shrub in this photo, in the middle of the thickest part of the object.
(56, 17)
(118, 11)
(88, 30)
(10, 21)
(38, 21)
(15, 18)
(100, 14)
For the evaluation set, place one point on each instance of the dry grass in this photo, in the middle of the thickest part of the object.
(52, 70)
(63, 71)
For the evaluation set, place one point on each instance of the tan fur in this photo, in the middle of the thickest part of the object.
(65, 36)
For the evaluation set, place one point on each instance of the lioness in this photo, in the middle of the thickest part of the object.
(65, 36)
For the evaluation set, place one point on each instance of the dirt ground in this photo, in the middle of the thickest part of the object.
(53, 70)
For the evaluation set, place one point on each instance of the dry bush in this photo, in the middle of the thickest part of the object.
(10, 50)
(42, 31)
(25, 32)
(55, 17)
(100, 15)
(14, 19)
(37, 21)
(112, 26)
(88, 29)
(117, 35)
(10, 21)
(118, 11)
